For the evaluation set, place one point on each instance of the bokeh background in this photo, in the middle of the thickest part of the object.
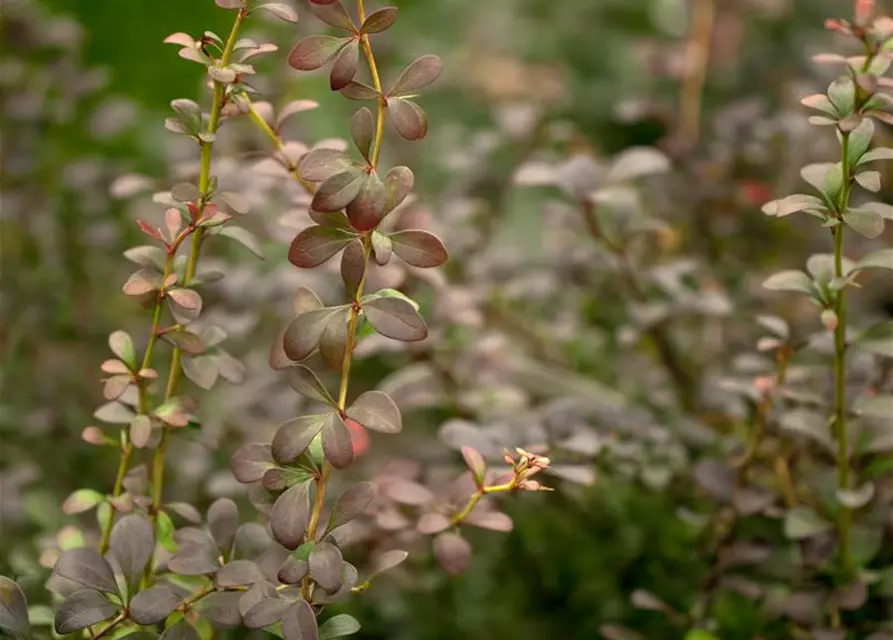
(84, 89)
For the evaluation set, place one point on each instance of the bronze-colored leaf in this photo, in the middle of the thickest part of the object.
(453, 552)
(379, 20)
(345, 66)
(362, 129)
(396, 318)
(338, 191)
(398, 185)
(316, 244)
(293, 437)
(321, 164)
(299, 622)
(314, 51)
(376, 410)
(333, 342)
(419, 73)
(336, 443)
(353, 266)
(223, 521)
(326, 564)
(304, 333)
(82, 609)
(290, 516)
(305, 382)
(153, 604)
(351, 504)
(419, 248)
(359, 91)
(367, 209)
(408, 118)
(250, 461)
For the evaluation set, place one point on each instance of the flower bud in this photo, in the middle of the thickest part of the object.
(829, 319)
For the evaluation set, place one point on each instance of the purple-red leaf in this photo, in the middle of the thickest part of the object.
(249, 463)
(338, 191)
(299, 622)
(409, 119)
(376, 410)
(280, 10)
(398, 184)
(336, 443)
(304, 332)
(316, 244)
(293, 437)
(333, 342)
(359, 91)
(352, 503)
(367, 209)
(353, 266)
(321, 164)
(326, 566)
(419, 73)
(362, 129)
(290, 516)
(379, 20)
(396, 318)
(453, 552)
(345, 66)
(314, 51)
(419, 248)
(305, 382)
(332, 13)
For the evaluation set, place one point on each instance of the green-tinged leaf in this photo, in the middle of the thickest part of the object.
(881, 259)
(164, 529)
(865, 222)
(880, 406)
(860, 140)
(803, 522)
(791, 280)
(382, 248)
(792, 204)
(82, 500)
(338, 627)
(83, 609)
(842, 94)
(182, 630)
(147, 256)
(856, 498)
(879, 153)
(869, 180)
(244, 238)
(121, 345)
(202, 370)
(185, 340)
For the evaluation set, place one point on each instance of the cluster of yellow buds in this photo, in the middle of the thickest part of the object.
(525, 467)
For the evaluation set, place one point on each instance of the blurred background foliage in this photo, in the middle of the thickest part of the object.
(85, 88)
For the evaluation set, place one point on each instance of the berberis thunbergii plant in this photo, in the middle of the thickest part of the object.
(147, 578)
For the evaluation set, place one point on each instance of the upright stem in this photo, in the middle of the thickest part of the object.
(697, 56)
(204, 183)
(376, 82)
(843, 456)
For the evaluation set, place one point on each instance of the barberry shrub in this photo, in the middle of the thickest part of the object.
(147, 576)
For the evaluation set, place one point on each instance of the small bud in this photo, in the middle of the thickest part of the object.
(829, 319)
(93, 435)
(864, 10)
(763, 384)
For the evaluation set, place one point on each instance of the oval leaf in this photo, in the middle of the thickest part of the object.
(293, 437)
(419, 73)
(86, 567)
(326, 565)
(153, 604)
(315, 245)
(396, 318)
(419, 248)
(376, 410)
(290, 516)
(336, 443)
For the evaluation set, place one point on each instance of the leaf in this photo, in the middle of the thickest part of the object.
(321, 164)
(141, 431)
(333, 342)
(359, 91)
(880, 406)
(222, 608)
(362, 130)
(345, 66)
(382, 249)
(238, 573)
(419, 73)
(396, 318)
(266, 612)
(419, 248)
(333, 13)
(147, 256)
(336, 443)
(280, 10)
(315, 245)
(13, 609)
(193, 559)
(186, 298)
(376, 411)
(338, 191)
(131, 544)
(869, 180)
(299, 622)
(856, 498)
(314, 51)
(292, 570)
(82, 609)
(326, 564)
(379, 20)
(230, 4)
(185, 340)
(153, 604)
(865, 222)
(352, 503)
(475, 463)
(790, 280)
(353, 266)
(141, 282)
(80, 501)
(367, 209)
(408, 492)
(803, 522)
(398, 182)
(842, 95)
(305, 382)
(86, 567)
(879, 153)
(408, 118)
(223, 520)
(881, 259)
(181, 630)
(792, 204)
(338, 627)
(121, 344)
(637, 162)
(250, 461)
(293, 437)
(860, 140)
(244, 238)
(453, 552)
(302, 335)
(202, 370)
(291, 515)
(432, 523)
(388, 560)
(114, 413)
